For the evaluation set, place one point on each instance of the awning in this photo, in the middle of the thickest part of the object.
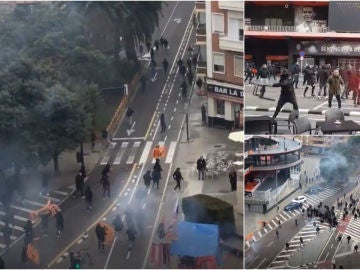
(277, 57)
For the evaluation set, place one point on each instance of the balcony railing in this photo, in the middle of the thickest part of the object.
(227, 43)
(232, 5)
(200, 5)
(201, 68)
(282, 28)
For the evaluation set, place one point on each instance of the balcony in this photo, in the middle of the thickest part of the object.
(230, 44)
(201, 68)
(232, 5)
(200, 6)
(201, 34)
(282, 28)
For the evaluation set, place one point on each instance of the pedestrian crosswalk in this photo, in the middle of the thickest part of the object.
(284, 216)
(352, 228)
(307, 233)
(130, 152)
(20, 212)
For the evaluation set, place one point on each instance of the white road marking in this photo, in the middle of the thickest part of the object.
(171, 152)
(60, 192)
(131, 157)
(121, 152)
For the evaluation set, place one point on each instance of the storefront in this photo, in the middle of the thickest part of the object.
(336, 53)
(225, 105)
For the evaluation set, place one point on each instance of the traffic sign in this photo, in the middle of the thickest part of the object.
(302, 53)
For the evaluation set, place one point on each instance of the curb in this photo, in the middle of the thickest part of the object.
(305, 111)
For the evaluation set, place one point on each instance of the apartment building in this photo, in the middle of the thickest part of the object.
(220, 41)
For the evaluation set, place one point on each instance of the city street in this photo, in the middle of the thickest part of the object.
(309, 106)
(130, 156)
(264, 250)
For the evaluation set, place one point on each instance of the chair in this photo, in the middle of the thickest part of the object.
(294, 114)
(303, 125)
(334, 114)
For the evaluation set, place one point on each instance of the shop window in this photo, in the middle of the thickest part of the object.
(239, 63)
(219, 62)
(218, 23)
(220, 107)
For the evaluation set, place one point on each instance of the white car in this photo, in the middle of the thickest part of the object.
(299, 199)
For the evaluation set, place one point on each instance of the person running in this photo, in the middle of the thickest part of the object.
(106, 186)
(333, 84)
(29, 232)
(356, 247)
(118, 225)
(59, 223)
(7, 232)
(287, 93)
(88, 198)
(165, 64)
(162, 123)
(348, 239)
(100, 234)
(277, 234)
(177, 177)
(147, 178)
(301, 241)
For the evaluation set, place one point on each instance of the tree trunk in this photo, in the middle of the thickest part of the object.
(56, 164)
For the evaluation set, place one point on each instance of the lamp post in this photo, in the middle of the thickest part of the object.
(186, 106)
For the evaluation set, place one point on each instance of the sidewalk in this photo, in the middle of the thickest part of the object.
(209, 141)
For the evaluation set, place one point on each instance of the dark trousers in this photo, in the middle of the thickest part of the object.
(177, 185)
(156, 181)
(202, 173)
(284, 99)
(106, 190)
(163, 128)
(101, 244)
(337, 98)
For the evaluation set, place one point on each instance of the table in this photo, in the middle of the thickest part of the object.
(260, 125)
(331, 127)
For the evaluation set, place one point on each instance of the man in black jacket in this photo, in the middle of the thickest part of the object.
(287, 92)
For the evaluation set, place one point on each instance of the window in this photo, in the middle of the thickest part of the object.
(234, 27)
(220, 107)
(219, 62)
(238, 69)
(218, 23)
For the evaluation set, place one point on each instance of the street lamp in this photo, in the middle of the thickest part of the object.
(276, 183)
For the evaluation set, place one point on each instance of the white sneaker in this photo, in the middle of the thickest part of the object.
(319, 97)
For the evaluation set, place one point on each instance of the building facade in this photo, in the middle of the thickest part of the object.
(220, 40)
(307, 32)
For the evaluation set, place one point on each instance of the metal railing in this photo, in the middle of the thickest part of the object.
(282, 28)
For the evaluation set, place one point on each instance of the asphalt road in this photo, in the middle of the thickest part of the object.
(309, 106)
(262, 252)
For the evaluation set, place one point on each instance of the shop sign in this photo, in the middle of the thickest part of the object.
(331, 48)
(227, 91)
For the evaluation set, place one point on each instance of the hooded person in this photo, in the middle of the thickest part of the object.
(287, 94)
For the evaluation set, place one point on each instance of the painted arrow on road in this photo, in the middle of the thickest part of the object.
(131, 130)
(177, 20)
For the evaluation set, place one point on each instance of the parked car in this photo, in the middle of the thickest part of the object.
(299, 199)
(292, 206)
(314, 190)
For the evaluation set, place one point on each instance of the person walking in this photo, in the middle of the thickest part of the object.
(189, 64)
(79, 184)
(59, 223)
(324, 73)
(356, 248)
(157, 166)
(296, 222)
(29, 232)
(264, 76)
(100, 235)
(287, 245)
(165, 64)
(233, 179)
(177, 177)
(129, 115)
(317, 230)
(279, 223)
(295, 71)
(183, 87)
(7, 232)
(88, 198)
(287, 94)
(201, 167)
(44, 216)
(301, 241)
(311, 80)
(162, 123)
(277, 234)
(147, 178)
(153, 66)
(118, 225)
(106, 170)
(333, 84)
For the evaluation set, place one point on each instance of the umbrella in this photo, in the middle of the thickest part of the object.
(237, 136)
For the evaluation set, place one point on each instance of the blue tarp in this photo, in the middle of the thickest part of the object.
(195, 240)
